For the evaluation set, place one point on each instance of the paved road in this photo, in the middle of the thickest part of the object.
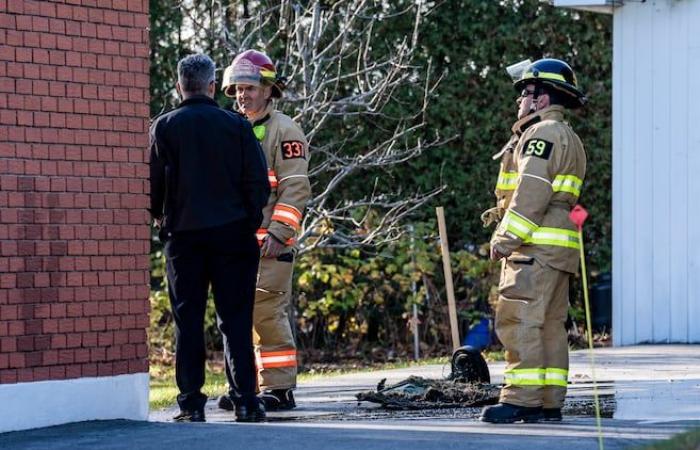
(651, 393)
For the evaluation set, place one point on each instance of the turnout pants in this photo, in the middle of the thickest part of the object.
(530, 318)
(275, 349)
(226, 257)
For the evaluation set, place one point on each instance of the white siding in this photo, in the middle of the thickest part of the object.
(656, 172)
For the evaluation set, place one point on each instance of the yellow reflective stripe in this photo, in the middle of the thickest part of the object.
(544, 75)
(507, 181)
(265, 73)
(567, 183)
(555, 377)
(518, 225)
(525, 377)
(560, 237)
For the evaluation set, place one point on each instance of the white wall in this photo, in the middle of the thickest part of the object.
(46, 403)
(656, 172)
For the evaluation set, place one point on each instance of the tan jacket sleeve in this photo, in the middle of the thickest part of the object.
(291, 163)
(537, 155)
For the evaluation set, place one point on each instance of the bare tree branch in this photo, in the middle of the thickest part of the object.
(345, 84)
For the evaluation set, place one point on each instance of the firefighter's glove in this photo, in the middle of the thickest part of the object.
(491, 216)
(272, 247)
(496, 253)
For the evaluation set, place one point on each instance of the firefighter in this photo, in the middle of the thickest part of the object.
(540, 181)
(252, 80)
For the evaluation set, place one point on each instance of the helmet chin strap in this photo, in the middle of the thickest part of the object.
(535, 95)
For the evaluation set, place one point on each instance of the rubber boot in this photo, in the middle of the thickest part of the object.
(507, 413)
(278, 399)
(552, 414)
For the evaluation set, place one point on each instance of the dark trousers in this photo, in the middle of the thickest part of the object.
(227, 257)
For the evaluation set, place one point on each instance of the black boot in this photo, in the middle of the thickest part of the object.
(225, 403)
(250, 411)
(196, 415)
(507, 413)
(552, 414)
(278, 399)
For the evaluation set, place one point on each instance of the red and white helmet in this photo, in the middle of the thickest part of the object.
(254, 68)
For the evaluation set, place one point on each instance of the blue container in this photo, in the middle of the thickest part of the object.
(479, 336)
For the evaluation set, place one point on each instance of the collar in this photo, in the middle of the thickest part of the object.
(198, 99)
(264, 117)
(554, 112)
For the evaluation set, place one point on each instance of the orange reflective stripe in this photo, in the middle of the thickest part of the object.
(272, 177)
(261, 234)
(287, 214)
(284, 358)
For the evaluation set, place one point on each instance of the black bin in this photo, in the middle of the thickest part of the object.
(601, 302)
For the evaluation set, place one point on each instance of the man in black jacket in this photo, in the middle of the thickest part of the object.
(208, 187)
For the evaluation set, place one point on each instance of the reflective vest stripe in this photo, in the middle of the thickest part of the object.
(567, 183)
(285, 358)
(272, 178)
(550, 376)
(560, 237)
(525, 377)
(287, 214)
(555, 377)
(518, 225)
(261, 234)
(507, 181)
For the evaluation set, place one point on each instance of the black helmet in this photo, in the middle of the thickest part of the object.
(556, 74)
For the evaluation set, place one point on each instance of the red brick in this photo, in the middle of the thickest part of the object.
(66, 356)
(25, 375)
(73, 371)
(8, 344)
(33, 359)
(17, 360)
(57, 372)
(42, 342)
(8, 376)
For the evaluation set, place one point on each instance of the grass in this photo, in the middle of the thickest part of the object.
(163, 390)
(689, 440)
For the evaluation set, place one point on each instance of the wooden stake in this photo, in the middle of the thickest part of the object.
(449, 286)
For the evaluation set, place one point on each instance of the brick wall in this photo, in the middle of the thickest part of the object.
(74, 242)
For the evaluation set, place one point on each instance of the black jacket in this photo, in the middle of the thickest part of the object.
(207, 168)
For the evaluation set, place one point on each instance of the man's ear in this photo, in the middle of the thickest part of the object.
(543, 101)
(212, 88)
(178, 88)
(267, 92)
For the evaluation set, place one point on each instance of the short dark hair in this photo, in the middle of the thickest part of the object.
(195, 72)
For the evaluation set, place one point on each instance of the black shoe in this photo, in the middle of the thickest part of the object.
(507, 413)
(190, 416)
(251, 412)
(225, 403)
(278, 399)
(552, 414)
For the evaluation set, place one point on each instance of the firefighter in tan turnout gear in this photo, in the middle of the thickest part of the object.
(540, 181)
(252, 80)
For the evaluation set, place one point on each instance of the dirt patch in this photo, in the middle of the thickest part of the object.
(423, 393)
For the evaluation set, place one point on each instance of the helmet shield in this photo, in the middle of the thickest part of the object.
(516, 70)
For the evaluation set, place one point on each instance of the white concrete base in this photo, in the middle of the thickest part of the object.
(46, 403)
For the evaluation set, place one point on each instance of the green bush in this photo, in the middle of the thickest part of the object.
(357, 304)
